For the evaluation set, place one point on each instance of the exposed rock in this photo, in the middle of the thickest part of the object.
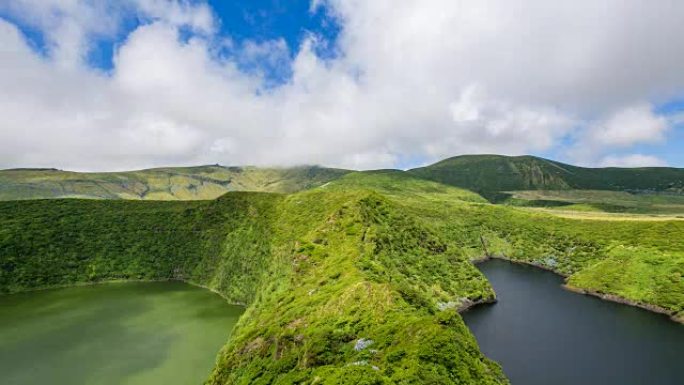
(362, 343)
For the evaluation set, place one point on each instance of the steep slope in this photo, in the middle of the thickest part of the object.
(319, 270)
(489, 174)
(641, 262)
(46, 243)
(360, 304)
(174, 183)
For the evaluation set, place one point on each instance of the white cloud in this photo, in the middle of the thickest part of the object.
(502, 124)
(179, 13)
(633, 160)
(623, 128)
(414, 79)
(628, 126)
(71, 25)
(67, 24)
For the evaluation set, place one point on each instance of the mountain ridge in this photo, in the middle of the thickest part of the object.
(489, 175)
(379, 256)
(162, 183)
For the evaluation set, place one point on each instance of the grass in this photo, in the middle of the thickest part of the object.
(492, 174)
(350, 280)
(646, 255)
(380, 256)
(581, 212)
(318, 271)
(600, 201)
(171, 183)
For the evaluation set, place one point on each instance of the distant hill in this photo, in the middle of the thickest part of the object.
(490, 174)
(402, 185)
(173, 183)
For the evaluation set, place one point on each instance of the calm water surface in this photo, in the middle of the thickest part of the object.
(542, 334)
(121, 333)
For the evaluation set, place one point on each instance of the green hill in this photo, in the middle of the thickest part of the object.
(402, 185)
(318, 271)
(490, 174)
(381, 256)
(172, 183)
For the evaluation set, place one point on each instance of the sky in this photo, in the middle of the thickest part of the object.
(96, 85)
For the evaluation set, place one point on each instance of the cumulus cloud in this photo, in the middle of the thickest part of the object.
(633, 160)
(502, 123)
(67, 25)
(70, 26)
(623, 128)
(628, 126)
(412, 80)
(197, 16)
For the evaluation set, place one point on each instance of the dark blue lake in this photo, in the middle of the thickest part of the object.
(542, 334)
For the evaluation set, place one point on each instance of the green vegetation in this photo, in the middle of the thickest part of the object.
(172, 183)
(493, 174)
(358, 281)
(402, 185)
(600, 201)
(364, 271)
(648, 256)
(319, 270)
(61, 242)
(641, 261)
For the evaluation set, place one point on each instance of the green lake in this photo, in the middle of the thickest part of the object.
(117, 333)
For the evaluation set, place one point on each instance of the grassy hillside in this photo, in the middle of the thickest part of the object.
(490, 174)
(600, 201)
(638, 260)
(501, 179)
(401, 184)
(174, 183)
(641, 261)
(365, 271)
(48, 243)
(376, 258)
(319, 271)
(654, 251)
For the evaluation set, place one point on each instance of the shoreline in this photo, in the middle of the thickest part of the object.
(116, 281)
(90, 283)
(588, 292)
(469, 304)
(195, 284)
(625, 301)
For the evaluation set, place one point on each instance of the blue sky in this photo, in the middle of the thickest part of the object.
(672, 148)
(346, 83)
(254, 20)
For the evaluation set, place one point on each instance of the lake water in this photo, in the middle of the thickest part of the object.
(119, 333)
(542, 334)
